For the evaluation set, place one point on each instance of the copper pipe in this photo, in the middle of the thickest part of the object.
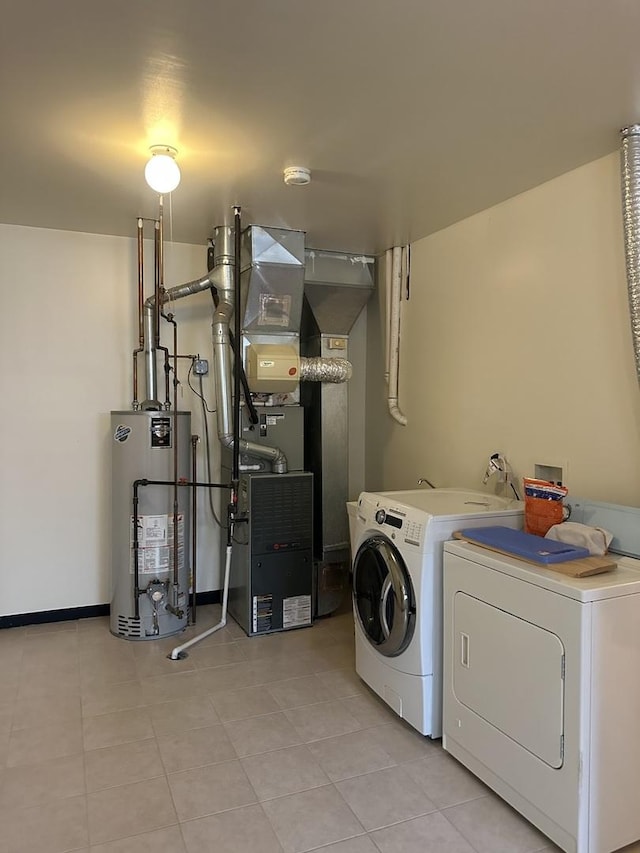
(140, 348)
(160, 293)
(140, 282)
(136, 353)
(159, 302)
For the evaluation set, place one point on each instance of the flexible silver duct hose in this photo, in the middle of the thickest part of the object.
(325, 370)
(630, 166)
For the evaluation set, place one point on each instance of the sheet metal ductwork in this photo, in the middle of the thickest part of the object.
(337, 286)
(272, 281)
(273, 293)
(223, 261)
(220, 279)
(630, 167)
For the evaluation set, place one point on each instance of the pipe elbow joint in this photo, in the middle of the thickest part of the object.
(396, 414)
(226, 440)
(280, 465)
(273, 455)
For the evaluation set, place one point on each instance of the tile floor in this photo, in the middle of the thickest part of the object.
(269, 744)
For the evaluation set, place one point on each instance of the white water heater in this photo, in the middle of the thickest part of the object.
(150, 592)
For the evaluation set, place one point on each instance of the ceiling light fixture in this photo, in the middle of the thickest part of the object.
(297, 176)
(162, 173)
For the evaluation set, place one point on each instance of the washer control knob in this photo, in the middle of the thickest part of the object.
(381, 516)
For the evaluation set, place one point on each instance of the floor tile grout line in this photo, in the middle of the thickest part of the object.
(331, 843)
(457, 829)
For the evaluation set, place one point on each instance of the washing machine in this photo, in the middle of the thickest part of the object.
(397, 540)
(541, 691)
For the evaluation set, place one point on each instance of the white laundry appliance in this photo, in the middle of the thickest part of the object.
(396, 540)
(542, 691)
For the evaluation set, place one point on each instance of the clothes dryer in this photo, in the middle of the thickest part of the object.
(397, 540)
(541, 691)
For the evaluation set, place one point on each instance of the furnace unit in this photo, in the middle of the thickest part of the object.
(272, 562)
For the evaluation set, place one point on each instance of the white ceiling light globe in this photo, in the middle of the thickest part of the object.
(162, 173)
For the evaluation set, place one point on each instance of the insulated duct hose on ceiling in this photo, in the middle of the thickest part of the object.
(630, 168)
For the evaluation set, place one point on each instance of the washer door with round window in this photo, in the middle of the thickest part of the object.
(383, 596)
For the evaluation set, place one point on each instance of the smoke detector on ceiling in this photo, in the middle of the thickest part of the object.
(297, 176)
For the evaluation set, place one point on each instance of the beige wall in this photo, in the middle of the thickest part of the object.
(516, 338)
(67, 330)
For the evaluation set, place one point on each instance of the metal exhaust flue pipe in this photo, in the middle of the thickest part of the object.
(221, 279)
(237, 357)
(224, 269)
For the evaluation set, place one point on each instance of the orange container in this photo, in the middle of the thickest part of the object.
(542, 513)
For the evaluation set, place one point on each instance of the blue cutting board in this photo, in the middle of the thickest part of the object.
(525, 545)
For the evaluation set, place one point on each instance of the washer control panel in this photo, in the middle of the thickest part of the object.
(411, 524)
(412, 532)
(383, 517)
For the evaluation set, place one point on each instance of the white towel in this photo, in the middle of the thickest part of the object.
(595, 539)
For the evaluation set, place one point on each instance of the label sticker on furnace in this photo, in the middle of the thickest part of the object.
(296, 611)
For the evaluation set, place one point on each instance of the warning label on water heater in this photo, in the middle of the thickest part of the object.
(155, 543)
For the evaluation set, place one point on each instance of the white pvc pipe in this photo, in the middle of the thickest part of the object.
(394, 336)
(175, 653)
(387, 310)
